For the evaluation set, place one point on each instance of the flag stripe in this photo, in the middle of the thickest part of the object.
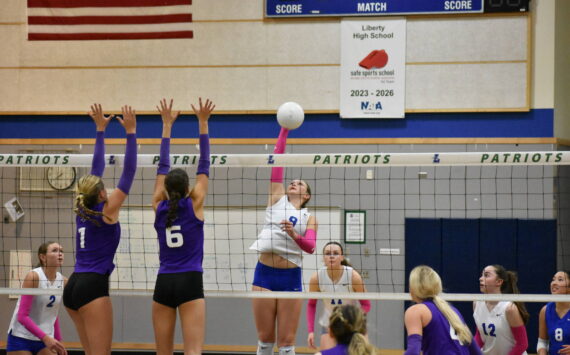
(110, 11)
(95, 36)
(144, 28)
(108, 19)
(104, 3)
(101, 20)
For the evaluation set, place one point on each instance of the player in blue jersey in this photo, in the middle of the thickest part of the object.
(86, 295)
(179, 224)
(347, 326)
(434, 326)
(554, 319)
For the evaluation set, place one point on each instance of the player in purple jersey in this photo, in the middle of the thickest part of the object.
(179, 225)
(86, 295)
(347, 326)
(434, 326)
(554, 319)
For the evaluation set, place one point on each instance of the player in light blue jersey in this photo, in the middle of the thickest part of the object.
(554, 319)
(179, 225)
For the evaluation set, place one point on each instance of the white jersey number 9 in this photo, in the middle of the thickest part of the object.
(558, 335)
(174, 238)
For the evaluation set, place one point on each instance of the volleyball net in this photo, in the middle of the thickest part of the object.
(376, 205)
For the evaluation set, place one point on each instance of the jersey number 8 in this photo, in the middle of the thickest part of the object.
(558, 334)
(174, 237)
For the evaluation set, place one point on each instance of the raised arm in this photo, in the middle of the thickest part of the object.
(119, 195)
(168, 118)
(198, 193)
(101, 122)
(276, 188)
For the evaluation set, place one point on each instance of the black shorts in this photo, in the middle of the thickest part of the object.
(84, 287)
(172, 290)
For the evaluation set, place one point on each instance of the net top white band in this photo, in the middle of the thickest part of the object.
(303, 160)
(373, 296)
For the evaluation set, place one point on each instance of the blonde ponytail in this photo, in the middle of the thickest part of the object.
(347, 324)
(462, 331)
(360, 346)
(425, 284)
(88, 188)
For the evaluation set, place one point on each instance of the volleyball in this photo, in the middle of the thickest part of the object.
(290, 115)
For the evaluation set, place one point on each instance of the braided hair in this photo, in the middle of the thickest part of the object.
(176, 185)
(347, 324)
(87, 190)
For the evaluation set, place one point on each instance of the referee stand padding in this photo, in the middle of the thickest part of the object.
(74, 348)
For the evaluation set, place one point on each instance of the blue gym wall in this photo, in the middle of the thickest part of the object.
(537, 123)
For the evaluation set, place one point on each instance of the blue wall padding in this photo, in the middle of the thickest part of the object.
(498, 243)
(536, 241)
(460, 261)
(460, 247)
(536, 254)
(423, 244)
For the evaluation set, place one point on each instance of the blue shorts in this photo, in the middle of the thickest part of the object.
(15, 343)
(278, 279)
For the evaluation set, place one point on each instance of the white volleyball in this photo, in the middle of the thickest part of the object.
(290, 115)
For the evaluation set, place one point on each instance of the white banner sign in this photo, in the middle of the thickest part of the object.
(373, 68)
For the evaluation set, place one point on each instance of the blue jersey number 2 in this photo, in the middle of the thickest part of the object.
(52, 300)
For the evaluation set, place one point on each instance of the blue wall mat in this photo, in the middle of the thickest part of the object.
(536, 240)
(460, 261)
(423, 244)
(498, 243)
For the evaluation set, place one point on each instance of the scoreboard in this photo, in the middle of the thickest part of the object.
(309, 8)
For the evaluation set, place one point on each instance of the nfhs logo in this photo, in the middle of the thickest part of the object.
(371, 105)
(270, 159)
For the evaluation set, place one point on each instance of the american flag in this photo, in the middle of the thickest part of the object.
(108, 19)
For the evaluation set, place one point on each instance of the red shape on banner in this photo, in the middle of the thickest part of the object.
(375, 59)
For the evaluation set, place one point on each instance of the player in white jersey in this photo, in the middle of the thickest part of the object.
(34, 328)
(336, 276)
(288, 231)
(500, 325)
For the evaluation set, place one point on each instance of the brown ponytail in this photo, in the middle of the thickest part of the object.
(509, 286)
